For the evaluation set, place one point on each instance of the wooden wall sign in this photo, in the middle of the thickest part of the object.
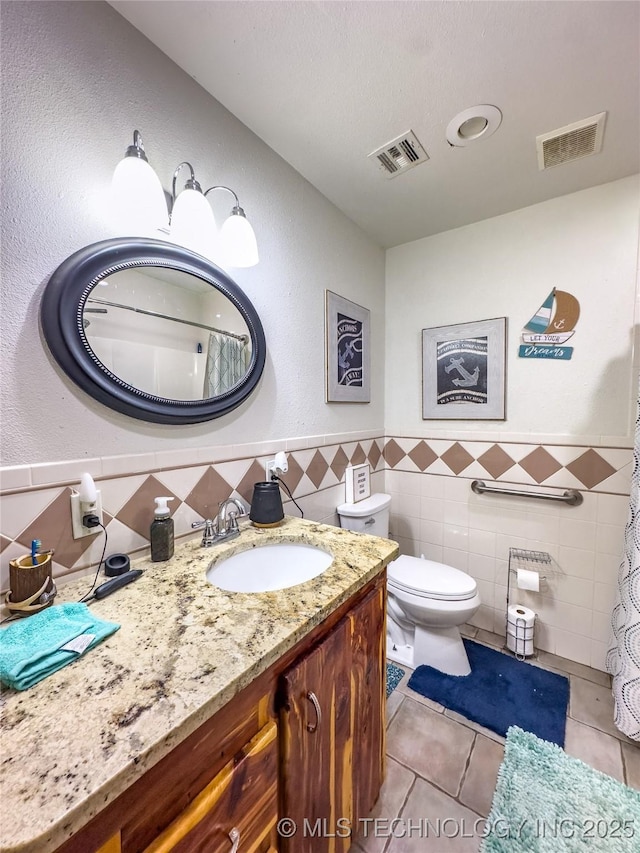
(547, 332)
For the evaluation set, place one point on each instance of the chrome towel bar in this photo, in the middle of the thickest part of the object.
(570, 496)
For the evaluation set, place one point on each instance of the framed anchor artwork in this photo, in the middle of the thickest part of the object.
(463, 371)
(347, 350)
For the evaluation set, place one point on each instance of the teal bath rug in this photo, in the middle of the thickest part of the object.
(500, 692)
(394, 677)
(548, 802)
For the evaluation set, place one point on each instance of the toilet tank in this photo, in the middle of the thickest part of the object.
(368, 516)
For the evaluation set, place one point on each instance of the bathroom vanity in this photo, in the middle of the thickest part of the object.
(210, 716)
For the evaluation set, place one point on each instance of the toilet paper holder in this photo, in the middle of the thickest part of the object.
(529, 561)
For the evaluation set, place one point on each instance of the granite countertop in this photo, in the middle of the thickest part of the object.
(72, 743)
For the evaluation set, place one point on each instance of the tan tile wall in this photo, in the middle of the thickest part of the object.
(36, 499)
(434, 512)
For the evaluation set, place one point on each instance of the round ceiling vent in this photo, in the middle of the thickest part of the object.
(473, 123)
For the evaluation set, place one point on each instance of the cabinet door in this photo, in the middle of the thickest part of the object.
(237, 811)
(369, 683)
(332, 732)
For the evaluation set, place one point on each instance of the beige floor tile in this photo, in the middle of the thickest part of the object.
(475, 727)
(481, 776)
(631, 760)
(430, 744)
(451, 827)
(397, 784)
(423, 700)
(595, 748)
(592, 704)
(469, 631)
(570, 667)
(393, 703)
(488, 638)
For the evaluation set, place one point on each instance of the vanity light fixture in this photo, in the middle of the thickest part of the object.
(190, 217)
(191, 221)
(474, 123)
(137, 193)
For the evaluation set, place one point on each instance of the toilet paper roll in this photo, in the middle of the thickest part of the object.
(528, 580)
(520, 647)
(521, 617)
(520, 627)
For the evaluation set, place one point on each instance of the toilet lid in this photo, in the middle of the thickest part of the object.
(430, 579)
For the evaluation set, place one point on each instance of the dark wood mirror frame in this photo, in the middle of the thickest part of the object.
(61, 316)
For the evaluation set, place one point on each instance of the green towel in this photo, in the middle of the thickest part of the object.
(31, 649)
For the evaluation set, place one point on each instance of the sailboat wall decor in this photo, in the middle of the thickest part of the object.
(553, 324)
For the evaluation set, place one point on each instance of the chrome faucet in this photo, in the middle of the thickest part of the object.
(225, 525)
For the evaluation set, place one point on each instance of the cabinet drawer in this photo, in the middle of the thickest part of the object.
(242, 797)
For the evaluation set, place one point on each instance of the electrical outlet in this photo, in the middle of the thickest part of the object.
(79, 509)
(277, 465)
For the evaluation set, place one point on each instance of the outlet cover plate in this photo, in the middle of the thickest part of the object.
(78, 528)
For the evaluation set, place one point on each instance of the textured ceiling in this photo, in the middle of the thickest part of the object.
(326, 83)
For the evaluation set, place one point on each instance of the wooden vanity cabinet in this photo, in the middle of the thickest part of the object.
(332, 732)
(257, 759)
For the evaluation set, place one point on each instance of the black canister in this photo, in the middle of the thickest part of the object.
(266, 505)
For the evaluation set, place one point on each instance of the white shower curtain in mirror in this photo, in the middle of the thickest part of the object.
(623, 658)
(226, 364)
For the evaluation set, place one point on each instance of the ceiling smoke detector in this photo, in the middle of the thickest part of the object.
(399, 155)
(474, 123)
(572, 142)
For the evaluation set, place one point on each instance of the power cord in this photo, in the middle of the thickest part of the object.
(94, 521)
(286, 488)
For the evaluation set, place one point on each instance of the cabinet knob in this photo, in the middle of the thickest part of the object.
(311, 696)
(234, 837)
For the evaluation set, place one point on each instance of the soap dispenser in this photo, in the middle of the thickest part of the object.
(161, 532)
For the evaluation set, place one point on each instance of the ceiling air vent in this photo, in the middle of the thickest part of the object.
(571, 142)
(399, 155)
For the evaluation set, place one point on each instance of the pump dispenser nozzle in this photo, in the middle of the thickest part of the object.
(161, 506)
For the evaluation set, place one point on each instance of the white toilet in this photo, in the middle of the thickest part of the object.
(426, 601)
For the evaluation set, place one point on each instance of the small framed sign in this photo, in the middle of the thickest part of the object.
(463, 371)
(357, 483)
(347, 350)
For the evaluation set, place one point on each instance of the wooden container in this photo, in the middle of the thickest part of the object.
(27, 580)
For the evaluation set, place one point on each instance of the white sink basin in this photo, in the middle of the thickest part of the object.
(269, 567)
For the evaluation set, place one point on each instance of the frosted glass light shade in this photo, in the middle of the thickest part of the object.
(139, 205)
(192, 223)
(238, 242)
(87, 491)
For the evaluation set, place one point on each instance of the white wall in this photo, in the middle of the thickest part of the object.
(585, 243)
(77, 80)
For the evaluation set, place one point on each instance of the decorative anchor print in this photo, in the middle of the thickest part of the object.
(468, 380)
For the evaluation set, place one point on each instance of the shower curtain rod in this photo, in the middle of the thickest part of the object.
(571, 496)
(243, 338)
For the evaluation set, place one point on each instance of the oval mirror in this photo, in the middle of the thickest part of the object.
(153, 330)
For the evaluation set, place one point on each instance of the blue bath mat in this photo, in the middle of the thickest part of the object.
(500, 692)
(394, 677)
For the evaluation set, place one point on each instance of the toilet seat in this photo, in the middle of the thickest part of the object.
(428, 579)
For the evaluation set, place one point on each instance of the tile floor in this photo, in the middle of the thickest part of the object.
(442, 766)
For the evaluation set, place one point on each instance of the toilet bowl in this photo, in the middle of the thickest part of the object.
(426, 600)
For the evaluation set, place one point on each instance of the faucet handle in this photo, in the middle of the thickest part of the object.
(232, 519)
(210, 530)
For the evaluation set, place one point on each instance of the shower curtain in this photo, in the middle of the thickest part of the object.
(226, 364)
(623, 657)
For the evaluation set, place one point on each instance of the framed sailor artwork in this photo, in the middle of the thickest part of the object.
(463, 371)
(347, 342)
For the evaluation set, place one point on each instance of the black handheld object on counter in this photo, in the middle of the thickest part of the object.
(116, 564)
(115, 583)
